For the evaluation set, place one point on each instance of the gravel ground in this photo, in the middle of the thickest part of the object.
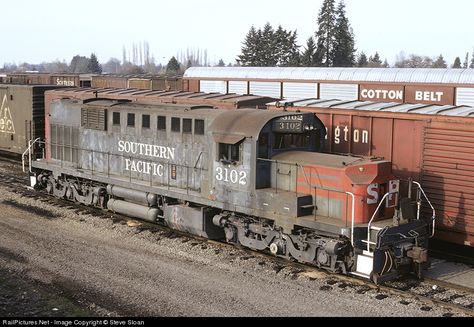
(54, 262)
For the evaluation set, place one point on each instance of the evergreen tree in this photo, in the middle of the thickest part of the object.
(362, 60)
(344, 51)
(326, 34)
(440, 62)
(472, 61)
(457, 63)
(375, 61)
(249, 56)
(221, 63)
(385, 64)
(286, 49)
(94, 66)
(79, 64)
(308, 54)
(173, 66)
(466, 61)
(268, 46)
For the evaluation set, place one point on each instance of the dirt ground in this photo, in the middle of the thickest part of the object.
(60, 262)
(22, 297)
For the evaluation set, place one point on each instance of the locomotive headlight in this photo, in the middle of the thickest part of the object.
(308, 127)
(361, 169)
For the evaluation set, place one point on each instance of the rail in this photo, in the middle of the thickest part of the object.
(31, 143)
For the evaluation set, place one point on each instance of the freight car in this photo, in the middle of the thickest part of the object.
(428, 143)
(59, 79)
(251, 177)
(398, 85)
(21, 116)
(140, 81)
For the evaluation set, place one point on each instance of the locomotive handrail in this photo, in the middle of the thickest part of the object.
(353, 217)
(198, 159)
(433, 217)
(372, 219)
(30, 144)
(304, 174)
(132, 179)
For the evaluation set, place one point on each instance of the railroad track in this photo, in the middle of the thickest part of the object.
(429, 292)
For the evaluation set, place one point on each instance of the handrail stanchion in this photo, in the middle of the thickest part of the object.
(353, 217)
(30, 145)
(433, 217)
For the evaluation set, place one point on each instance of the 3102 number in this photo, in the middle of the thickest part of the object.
(231, 176)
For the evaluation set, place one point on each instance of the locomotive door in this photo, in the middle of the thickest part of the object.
(263, 165)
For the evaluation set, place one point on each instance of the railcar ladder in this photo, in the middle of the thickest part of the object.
(365, 261)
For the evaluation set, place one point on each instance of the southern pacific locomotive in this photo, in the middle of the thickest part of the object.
(252, 177)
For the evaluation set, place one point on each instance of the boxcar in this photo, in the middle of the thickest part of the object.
(21, 116)
(428, 143)
(400, 85)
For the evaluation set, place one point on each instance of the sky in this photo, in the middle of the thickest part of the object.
(48, 30)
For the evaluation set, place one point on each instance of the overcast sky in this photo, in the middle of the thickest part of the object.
(35, 31)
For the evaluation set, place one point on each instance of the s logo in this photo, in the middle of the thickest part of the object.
(373, 194)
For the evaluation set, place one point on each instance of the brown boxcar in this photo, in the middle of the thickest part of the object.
(72, 80)
(29, 78)
(431, 144)
(105, 81)
(403, 85)
(141, 81)
(21, 116)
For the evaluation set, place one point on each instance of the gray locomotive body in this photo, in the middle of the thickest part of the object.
(254, 177)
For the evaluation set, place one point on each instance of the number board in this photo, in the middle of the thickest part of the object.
(289, 124)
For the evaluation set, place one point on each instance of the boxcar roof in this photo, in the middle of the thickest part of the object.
(397, 75)
(426, 109)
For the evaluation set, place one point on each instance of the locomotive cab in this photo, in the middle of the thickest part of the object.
(245, 142)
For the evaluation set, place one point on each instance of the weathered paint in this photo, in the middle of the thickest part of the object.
(436, 150)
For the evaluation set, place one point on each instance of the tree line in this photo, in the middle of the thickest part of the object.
(333, 45)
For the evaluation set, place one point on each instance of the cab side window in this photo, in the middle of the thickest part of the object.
(130, 120)
(116, 118)
(229, 153)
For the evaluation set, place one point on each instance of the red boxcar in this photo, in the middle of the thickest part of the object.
(428, 143)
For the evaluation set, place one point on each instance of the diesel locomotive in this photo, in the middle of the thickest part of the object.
(251, 177)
